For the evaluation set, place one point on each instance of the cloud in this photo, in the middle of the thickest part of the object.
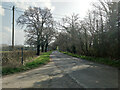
(1, 11)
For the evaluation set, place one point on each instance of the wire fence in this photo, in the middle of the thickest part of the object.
(17, 57)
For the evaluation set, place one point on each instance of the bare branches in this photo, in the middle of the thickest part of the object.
(36, 20)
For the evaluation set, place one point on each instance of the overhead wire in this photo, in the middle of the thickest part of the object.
(23, 12)
(6, 8)
(7, 5)
(52, 13)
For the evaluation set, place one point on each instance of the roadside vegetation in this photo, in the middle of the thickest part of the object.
(106, 61)
(95, 37)
(40, 60)
(8, 57)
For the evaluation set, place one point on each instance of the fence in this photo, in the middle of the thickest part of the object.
(16, 57)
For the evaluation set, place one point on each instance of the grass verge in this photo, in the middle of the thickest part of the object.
(44, 58)
(106, 61)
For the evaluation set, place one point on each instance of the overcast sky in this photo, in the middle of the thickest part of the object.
(59, 8)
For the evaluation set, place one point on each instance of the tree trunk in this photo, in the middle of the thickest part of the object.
(46, 47)
(73, 49)
(42, 48)
(86, 42)
(38, 50)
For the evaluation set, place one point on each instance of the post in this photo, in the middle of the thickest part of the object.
(22, 55)
(118, 29)
(13, 29)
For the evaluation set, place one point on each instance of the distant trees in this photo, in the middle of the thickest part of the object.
(71, 36)
(98, 34)
(70, 26)
(38, 25)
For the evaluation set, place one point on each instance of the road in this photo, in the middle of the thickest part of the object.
(64, 71)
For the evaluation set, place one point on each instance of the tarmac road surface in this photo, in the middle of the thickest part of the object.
(65, 71)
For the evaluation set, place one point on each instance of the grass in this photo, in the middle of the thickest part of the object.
(41, 60)
(106, 61)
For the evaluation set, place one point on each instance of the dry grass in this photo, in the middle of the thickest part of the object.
(13, 58)
(43, 59)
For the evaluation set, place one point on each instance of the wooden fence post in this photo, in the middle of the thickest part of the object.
(22, 55)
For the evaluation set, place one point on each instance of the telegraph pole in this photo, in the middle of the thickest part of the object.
(119, 29)
(13, 28)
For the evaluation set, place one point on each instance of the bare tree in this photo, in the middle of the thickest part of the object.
(35, 19)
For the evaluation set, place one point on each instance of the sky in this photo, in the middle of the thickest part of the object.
(59, 9)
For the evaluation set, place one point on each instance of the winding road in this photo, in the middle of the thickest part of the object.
(64, 71)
